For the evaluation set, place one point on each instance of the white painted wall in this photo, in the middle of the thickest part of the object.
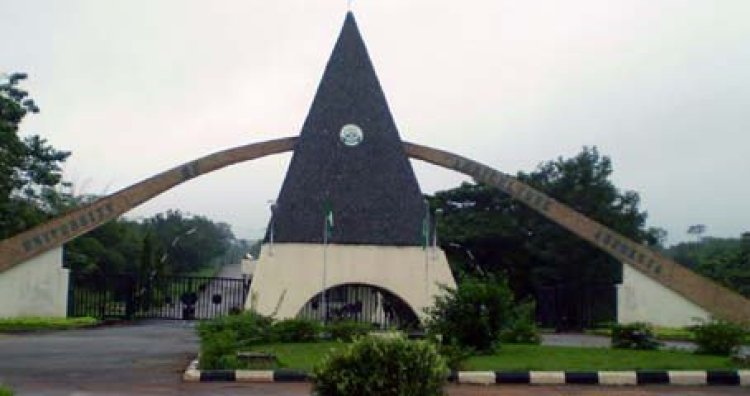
(38, 287)
(247, 267)
(289, 274)
(642, 299)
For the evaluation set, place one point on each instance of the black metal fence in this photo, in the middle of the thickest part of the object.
(576, 306)
(172, 297)
(361, 303)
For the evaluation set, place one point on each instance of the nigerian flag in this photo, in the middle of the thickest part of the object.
(328, 226)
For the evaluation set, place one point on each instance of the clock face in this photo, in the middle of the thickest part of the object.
(351, 135)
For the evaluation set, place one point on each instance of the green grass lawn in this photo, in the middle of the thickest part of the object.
(303, 356)
(537, 357)
(5, 391)
(35, 323)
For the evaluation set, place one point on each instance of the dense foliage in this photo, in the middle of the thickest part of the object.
(483, 230)
(381, 367)
(250, 328)
(718, 337)
(522, 328)
(477, 313)
(725, 260)
(165, 244)
(29, 167)
(634, 336)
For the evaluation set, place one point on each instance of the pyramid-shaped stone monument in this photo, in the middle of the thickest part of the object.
(349, 166)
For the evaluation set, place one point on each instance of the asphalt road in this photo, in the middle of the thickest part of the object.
(148, 358)
(114, 357)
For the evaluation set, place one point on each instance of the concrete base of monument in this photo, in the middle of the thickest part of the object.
(288, 276)
(642, 299)
(38, 287)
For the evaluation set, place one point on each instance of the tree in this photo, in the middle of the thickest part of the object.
(113, 248)
(29, 167)
(165, 244)
(584, 183)
(725, 260)
(697, 254)
(697, 230)
(190, 243)
(505, 236)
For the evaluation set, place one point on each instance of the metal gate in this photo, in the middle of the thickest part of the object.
(168, 297)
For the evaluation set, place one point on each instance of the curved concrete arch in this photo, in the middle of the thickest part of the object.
(64, 228)
(386, 289)
(707, 294)
(711, 296)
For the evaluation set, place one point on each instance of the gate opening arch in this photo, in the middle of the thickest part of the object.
(361, 302)
(714, 298)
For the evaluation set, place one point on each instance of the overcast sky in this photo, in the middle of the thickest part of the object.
(133, 88)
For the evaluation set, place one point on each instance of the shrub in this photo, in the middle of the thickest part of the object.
(381, 367)
(250, 328)
(5, 391)
(634, 336)
(473, 315)
(718, 337)
(522, 328)
(221, 337)
(295, 330)
(347, 330)
(219, 351)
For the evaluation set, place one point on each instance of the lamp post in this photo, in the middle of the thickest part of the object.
(174, 243)
(469, 254)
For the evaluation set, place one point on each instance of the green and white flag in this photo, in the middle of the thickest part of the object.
(328, 220)
(425, 231)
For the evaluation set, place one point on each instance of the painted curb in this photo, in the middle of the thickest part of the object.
(610, 378)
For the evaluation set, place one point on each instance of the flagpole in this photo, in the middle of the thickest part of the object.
(273, 225)
(426, 281)
(324, 305)
(426, 236)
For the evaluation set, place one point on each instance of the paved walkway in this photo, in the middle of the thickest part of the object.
(588, 340)
(148, 358)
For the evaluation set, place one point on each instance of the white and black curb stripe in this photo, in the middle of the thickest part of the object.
(677, 377)
(622, 378)
(192, 374)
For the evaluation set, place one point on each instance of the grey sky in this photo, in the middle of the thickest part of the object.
(133, 88)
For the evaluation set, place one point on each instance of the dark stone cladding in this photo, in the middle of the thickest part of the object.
(371, 187)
